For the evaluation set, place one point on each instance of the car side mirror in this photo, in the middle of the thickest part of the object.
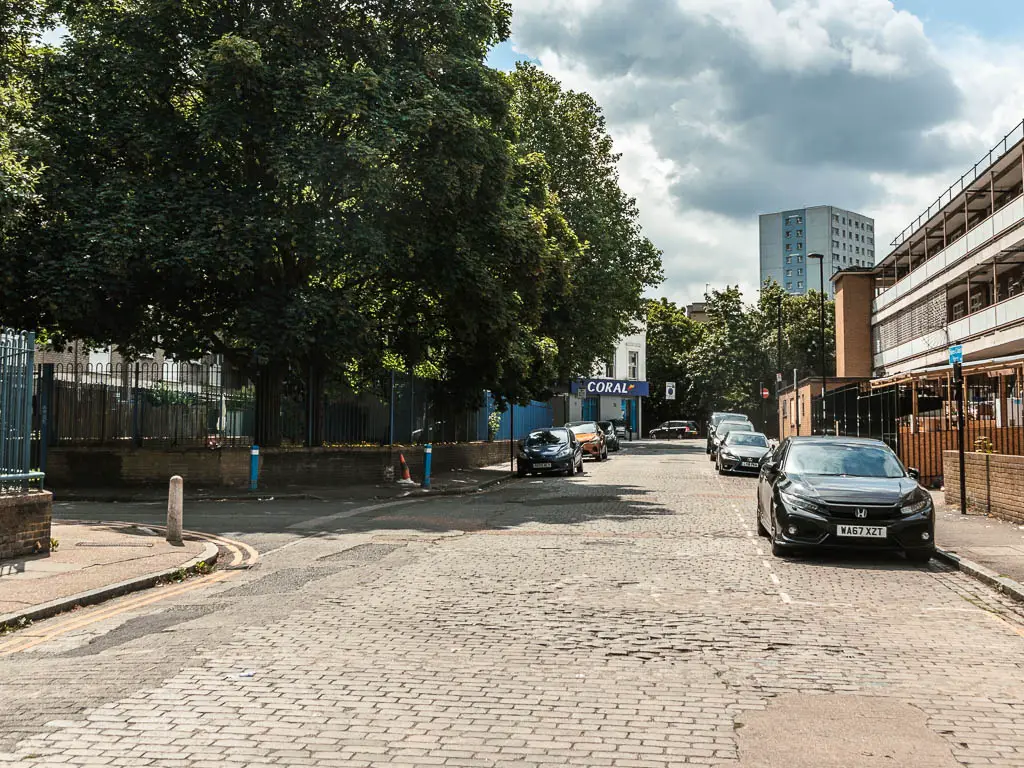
(914, 473)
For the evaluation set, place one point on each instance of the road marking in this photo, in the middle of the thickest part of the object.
(785, 598)
(241, 555)
(102, 615)
(775, 579)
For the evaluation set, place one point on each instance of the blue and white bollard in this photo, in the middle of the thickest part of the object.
(427, 451)
(254, 467)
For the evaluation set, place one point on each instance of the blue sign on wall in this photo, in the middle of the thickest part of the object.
(611, 387)
(956, 354)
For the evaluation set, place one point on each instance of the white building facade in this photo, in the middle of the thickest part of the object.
(615, 388)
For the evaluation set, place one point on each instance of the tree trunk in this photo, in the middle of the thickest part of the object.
(315, 407)
(269, 380)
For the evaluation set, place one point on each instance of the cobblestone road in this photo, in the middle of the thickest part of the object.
(630, 617)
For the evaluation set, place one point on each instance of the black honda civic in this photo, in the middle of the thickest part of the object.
(839, 492)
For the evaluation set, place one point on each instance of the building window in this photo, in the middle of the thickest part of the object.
(634, 366)
(835, 243)
(799, 284)
(799, 246)
(789, 246)
(799, 233)
(835, 217)
(844, 219)
(789, 273)
(799, 271)
(835, 230)
(789, 286)
(609, 369)
(958, 310)
(835, 257)
(789, 233)
(789, 259)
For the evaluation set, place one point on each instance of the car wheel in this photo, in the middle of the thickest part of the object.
(579, 466)
(604, 454)
(918, 557)
(761, 530)
(569, 471)
(520, 473)
(777, 551)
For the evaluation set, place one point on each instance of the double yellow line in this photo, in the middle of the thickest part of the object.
(240, 556)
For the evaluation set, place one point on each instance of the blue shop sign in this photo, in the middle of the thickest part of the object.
(611, 387)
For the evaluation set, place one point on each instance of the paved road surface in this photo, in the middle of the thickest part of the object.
(630, 617)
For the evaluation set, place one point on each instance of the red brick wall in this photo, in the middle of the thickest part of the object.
(25, 524)
(113, 468)
(995, 483)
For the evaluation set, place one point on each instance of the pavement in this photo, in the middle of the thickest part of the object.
(628, 617)
(90, 557)
(445, 483)
(995, 544)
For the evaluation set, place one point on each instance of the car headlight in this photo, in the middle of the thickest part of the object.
(727, 454)
(564, 452)
(917, 503)
(799, 504)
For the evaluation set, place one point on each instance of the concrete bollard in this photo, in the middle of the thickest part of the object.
(175, 501)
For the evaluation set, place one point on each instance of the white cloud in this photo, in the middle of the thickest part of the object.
(726, 108)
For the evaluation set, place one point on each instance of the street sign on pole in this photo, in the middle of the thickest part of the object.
(670, 390)
(956, 354)
(765, 394)
(958, 389)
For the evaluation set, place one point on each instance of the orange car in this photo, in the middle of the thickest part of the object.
(591, 438)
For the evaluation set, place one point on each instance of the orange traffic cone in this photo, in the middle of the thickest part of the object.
(406, 476)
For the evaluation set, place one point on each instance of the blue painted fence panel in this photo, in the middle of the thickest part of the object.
(536, 415)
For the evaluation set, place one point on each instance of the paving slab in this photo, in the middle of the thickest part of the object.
(988, 541)
(90, 556)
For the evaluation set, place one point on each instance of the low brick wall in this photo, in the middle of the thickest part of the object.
(85, 468)
(112, 468)
(995, 483)
(25, 524)
(333, 467)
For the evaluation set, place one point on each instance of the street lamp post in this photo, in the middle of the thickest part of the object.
(821, 290)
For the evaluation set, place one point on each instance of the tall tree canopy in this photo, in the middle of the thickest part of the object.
(604, 295)
(320, 191)
(722, 364)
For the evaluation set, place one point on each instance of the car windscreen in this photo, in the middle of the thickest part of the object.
(547, 437)
(716, 420)
(747, 438)
(605, 425)
(584, 428)
(838, 459)
(735, 426)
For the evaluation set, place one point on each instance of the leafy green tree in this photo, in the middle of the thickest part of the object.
(671, 335)
(21, 22)
(600, 297)
(301, 187)
(723, 364)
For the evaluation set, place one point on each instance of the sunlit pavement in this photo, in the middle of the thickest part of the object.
(628, 617)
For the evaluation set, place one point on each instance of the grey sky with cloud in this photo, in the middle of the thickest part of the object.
(727, 108)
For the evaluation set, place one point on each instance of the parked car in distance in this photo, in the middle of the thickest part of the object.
(725, 428)
(611, 439)
(843, 492)
(716, 419)
(591, 438)
(554, 449)
(621, 428)
(670, 429)
(742, 452)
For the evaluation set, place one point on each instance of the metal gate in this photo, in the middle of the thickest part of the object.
(17, 352)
